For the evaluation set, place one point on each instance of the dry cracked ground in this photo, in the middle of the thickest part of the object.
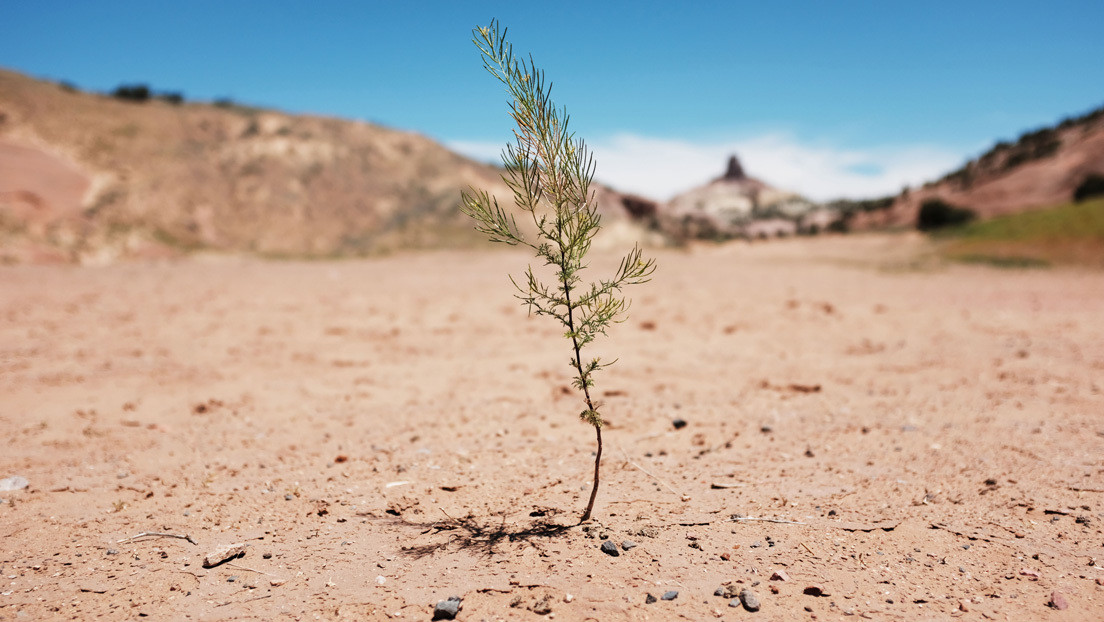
(869, 434)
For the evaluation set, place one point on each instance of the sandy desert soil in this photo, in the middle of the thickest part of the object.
(383, 434)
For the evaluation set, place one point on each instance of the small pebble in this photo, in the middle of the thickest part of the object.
(649, 599)
(749, 599)
(735, 602)
(670, 595)
(112, 552)
(289, 497)
(679, 423)
(267, 555)
(779, 575)
(232, 578)
(1058, 601)
(814, 590)
(766, 429)
(447, 609)
(609, 548)
(628, 544)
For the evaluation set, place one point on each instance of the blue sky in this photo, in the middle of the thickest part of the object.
(826, 98)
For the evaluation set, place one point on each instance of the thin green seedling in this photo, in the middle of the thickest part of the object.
(550, 172)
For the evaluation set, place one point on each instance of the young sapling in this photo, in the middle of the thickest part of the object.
(550, 172)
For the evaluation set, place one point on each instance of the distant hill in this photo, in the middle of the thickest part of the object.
(1041, 169)
(93, 178)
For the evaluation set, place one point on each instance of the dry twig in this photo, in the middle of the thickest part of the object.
(656, 478)
(158, 534)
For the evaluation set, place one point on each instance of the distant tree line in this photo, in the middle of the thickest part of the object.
(141, 93)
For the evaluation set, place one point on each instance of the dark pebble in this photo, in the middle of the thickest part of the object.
(649, 599)
(679, 423)
(267, 555)
(671, 595)
(628, 544)
(232, 578)
(447, 609)
(289, 497)
(766, 429)
(609, 548)
(749, 599)
(112, 552)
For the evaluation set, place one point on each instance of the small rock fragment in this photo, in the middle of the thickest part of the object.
(1058, 601)
(749, 599)
(814, 590)
(1027, 572)
(277, 582)
(222, 554)
(649, 599)
(779, 575)
(679, 423)
(447, 609)
(609, 548)
(670, 595)
(112, 551)
(627, 545)
(14, 482)
(735, 602)
(568, 598)
(964, 605)
(232, 578)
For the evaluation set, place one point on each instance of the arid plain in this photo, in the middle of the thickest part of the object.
(870, 433)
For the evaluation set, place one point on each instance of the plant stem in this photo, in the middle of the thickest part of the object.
(584, 381)
(597, 462)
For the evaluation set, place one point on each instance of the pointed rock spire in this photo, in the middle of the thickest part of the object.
(734, 172)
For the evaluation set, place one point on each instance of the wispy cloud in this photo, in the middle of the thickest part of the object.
(661, 168)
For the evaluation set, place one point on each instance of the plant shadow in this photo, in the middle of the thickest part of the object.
(472, 534)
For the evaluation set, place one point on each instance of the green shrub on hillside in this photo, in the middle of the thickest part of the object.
(132, 92)
(937, 214)
(1093, 186)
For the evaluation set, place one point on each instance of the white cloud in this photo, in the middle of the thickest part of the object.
(661, 168)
